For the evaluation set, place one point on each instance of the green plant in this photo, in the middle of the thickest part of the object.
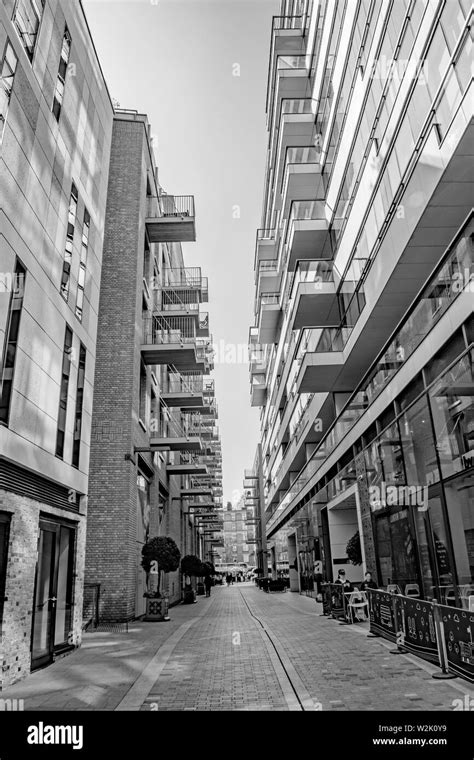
(353, 549)
(208, 569)
(191, 566)
(163, 550)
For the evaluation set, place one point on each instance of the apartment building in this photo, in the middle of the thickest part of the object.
(155, 456)
(362, 347)
(55, 134)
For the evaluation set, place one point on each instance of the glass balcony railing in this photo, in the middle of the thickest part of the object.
(319, 271)
(304, 210)
(452, 278)
(328, 340)
(297, 106)
(269, 299)
(302, 155)
(286, 22)
(285, 62)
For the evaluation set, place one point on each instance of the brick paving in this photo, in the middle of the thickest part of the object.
(239, 650)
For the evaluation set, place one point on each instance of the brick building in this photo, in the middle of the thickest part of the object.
(55, 133)
(153, 431)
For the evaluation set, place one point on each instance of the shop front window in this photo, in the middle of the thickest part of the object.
(418, 445)
(452, 403)
(460, 503)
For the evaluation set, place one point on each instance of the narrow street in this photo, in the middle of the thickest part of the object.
(241, 649)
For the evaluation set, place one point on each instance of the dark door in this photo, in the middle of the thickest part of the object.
(52, 615)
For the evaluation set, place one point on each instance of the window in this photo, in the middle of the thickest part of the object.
(11, 341)
(76, 445)
(81, 280)
(61, 78)
(142, 413)
(66, 371)
(71, 224)
(27, 18)
(4, 536)
(7, 74)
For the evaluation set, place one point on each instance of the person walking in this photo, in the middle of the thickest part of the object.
(208, 584)
(228, 579)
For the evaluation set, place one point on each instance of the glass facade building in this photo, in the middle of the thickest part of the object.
(365, 361)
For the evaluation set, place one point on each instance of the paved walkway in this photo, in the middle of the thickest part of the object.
(241, 649)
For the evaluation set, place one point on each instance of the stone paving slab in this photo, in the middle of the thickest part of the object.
(244, 650)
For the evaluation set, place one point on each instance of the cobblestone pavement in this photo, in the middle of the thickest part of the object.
(241, 649)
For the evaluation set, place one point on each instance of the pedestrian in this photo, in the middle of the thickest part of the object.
(228, 579)
(208, 584)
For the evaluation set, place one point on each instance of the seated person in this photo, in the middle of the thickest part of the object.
(341, 578)
(367, 582)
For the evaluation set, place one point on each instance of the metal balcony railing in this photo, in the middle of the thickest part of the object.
(184, 277)
(171, 206)
(178, 383)
(164, 330)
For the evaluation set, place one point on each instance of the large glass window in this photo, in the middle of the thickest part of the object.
(81, 280)
(71, 225)
(27, 18)
(76, 446)
(61, 77)
(7, 75)
(63, 394)
(11, 341)
(452, 403)
(460, 504)
(4, 536)
(419, 451)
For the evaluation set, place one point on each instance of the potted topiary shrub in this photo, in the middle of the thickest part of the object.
(191, 567)
(161, 554)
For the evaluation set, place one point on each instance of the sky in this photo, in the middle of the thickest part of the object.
(199, 70)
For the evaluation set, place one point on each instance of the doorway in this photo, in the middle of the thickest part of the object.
(54, 592)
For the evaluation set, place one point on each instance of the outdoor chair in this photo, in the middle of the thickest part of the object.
(357, 601)
(412, 589)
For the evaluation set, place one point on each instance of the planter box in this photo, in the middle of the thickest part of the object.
(189, 596)
(157, 610)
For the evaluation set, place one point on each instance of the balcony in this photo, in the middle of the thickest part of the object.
(184, 280)
(288, 78)
(170, 341)
(175, 435)
(171, 219)
(308, 235)
(321, 358)
(267, 277)
(268, 315)
(302, 177)
(184, 392)
(313, 300)
(295, 128)
(258, 390)
(265, 246)
(187, 468)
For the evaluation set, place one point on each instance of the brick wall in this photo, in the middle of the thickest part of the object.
(15, 637)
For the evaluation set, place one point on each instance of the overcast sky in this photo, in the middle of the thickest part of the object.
(199, 70)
